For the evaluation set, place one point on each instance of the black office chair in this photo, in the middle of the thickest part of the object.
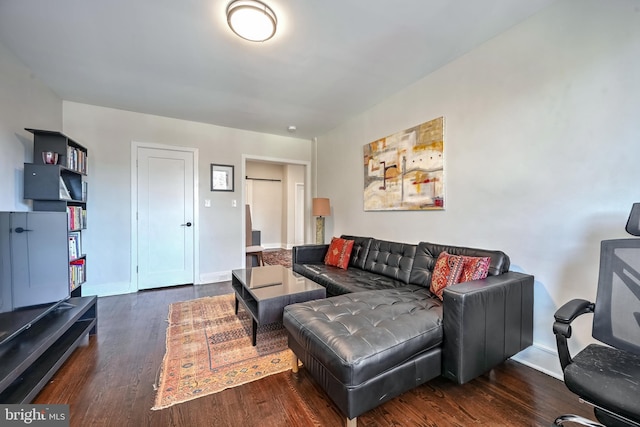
(608, 377)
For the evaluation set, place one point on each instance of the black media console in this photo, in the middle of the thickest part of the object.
(29, 360)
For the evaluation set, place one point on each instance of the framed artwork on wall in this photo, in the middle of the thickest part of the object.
(221, 177)
(405, 171)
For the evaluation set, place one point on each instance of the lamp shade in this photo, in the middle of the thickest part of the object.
(321, 207)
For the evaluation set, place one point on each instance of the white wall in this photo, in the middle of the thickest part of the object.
(294, 174)
(108, 134)
(542, 144)
(24, 103)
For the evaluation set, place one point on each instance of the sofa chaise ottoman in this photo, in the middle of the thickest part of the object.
(384, 332)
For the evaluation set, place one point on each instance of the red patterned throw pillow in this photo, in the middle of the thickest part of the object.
(474, 268)
(446, 272)
(339, 253)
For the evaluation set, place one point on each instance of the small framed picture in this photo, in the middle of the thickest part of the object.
(221, 177)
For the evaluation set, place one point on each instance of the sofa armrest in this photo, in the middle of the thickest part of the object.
(309, 254)
(485, 322)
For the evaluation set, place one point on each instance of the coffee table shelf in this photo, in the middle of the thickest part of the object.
(265, 291)
(248, 301)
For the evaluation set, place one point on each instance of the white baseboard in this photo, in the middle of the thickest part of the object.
(214, 277)
(541, 358)
(121, 288)
(272, 245)
(287, 246)
(108, 289)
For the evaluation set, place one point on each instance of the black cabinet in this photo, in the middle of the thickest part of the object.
(52, 187)
(34, 259)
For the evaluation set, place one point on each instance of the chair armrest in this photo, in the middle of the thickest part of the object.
(309, 254)
(562, 326)
(485, 322)
(573, 309)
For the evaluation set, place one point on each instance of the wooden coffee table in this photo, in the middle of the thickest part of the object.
(265, 291)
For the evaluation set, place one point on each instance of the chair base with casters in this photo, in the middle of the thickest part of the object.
(610, 420)
(576, 419)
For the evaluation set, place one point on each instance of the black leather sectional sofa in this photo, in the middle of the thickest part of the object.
(381, 332)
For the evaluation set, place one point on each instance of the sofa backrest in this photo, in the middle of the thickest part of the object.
(360, 250)
(391, 259)
(427, 254)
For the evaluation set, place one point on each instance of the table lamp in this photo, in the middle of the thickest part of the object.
(320, 209)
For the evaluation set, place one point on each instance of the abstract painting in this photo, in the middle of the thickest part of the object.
(405, 171)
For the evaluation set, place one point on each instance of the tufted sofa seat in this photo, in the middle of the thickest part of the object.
(344, 325)
(383, 332)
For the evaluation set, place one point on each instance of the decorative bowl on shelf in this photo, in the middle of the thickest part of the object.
(50, 157)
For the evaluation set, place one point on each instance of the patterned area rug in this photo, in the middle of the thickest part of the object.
(277, 257)
(209, 349)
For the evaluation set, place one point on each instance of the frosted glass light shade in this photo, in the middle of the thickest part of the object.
(252, 20)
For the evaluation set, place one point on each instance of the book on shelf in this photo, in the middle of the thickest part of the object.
(75, 245)
(77, 217)
(77, 273)
(76, 160)
(70, 157)
(73, 249)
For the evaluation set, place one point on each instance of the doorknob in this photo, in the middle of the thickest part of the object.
(21, 230)
(187, 224)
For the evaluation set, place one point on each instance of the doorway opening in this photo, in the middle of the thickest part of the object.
(277, 191)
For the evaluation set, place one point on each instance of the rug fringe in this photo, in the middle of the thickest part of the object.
(156, 387)
(156, 383)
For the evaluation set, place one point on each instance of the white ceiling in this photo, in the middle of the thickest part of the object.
(329, 60)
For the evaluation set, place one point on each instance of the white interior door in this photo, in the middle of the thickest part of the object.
(165, 211)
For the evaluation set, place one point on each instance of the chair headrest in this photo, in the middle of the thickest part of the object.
(633, 223)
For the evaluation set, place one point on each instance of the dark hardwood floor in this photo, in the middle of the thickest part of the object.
(109, 382)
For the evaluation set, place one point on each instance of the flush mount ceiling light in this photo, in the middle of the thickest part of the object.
(252, 20)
